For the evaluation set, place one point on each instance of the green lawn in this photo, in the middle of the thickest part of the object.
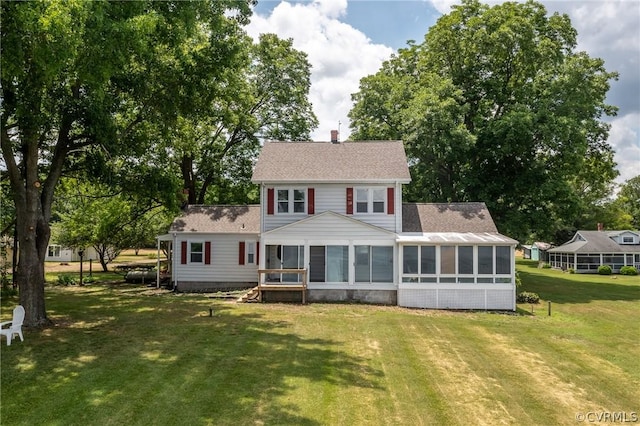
(126, 355)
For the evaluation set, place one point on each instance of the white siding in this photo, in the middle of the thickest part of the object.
(328, 227)
(333, 197)
(224, 265)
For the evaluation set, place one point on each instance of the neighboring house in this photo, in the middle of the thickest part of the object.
(336, 210)
(587, 250)
(536, 251)
(58, 253)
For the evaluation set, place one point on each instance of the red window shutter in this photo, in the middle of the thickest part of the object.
(183, 253)
(390, 201)
(311, 202)
(349, 200)
(270, 200)
(241, 253)
(207, 252)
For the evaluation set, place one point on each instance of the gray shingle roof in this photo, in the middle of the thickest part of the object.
(363, 161)
(218, 219)
(595, 242)
(447, 217)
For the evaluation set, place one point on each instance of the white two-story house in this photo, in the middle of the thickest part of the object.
(335, 210)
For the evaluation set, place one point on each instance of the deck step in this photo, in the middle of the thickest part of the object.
(250, 296)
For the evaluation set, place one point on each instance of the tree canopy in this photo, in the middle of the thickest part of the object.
(496, 105)
(84, 83)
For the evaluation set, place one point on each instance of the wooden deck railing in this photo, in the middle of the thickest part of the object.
(265, 285)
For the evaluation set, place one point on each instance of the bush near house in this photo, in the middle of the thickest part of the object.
(604, 270)
(628, 270)
(528, 297)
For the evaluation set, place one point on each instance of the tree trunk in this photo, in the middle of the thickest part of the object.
(33, 239)
(30, 274)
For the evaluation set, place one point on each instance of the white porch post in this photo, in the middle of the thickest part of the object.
(158, 265)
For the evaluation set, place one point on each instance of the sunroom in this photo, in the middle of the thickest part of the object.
(457, 271)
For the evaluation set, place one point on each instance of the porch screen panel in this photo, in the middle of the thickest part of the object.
(316, 264)
(382, 264)
(465, 260)
(428, 260)
(363, 264)
(485, 260)
(448, 260)
(503, 260)
(337, 263)
(410, 259)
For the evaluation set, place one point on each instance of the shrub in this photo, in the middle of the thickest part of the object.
(628, 270)
(572, 271)
(66, 279)
(546, 266)
(528, 297)
(7, 290)
(604, 270)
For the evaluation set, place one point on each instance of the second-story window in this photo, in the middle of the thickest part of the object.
(291, 200)
(283, 201)
(370, 200)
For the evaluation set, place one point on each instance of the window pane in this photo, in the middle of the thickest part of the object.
(503, 260)
(337, 263)
(410, 260)
(251, 249)
(316, 264)
(378, 200)
(465, 260)
(362, 200)
(290, 260)
(298, 201)
(428, 260)
(363, 266)
(382, 264)
(447, 260)
(196, 252)
(485, 260)
(283, 201)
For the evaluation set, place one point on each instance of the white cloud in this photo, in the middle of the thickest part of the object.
(623, 136)
(339, 55)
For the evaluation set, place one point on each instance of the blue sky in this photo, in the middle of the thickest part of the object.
(346, 40)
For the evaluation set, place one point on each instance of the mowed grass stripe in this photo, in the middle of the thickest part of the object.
(123, 355)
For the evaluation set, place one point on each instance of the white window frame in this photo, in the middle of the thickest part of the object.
(371, 200)
(250, 252)
(291, 201)
(54, 250)
(191, 252)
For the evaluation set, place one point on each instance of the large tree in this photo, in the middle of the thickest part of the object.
(497, 105)
(265, 98)
(82, 80)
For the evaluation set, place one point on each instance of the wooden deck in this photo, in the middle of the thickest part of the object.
(264, 285)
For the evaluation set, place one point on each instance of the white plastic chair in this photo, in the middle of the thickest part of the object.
(16, 325)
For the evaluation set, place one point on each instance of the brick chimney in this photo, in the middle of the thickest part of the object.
(334, 136)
